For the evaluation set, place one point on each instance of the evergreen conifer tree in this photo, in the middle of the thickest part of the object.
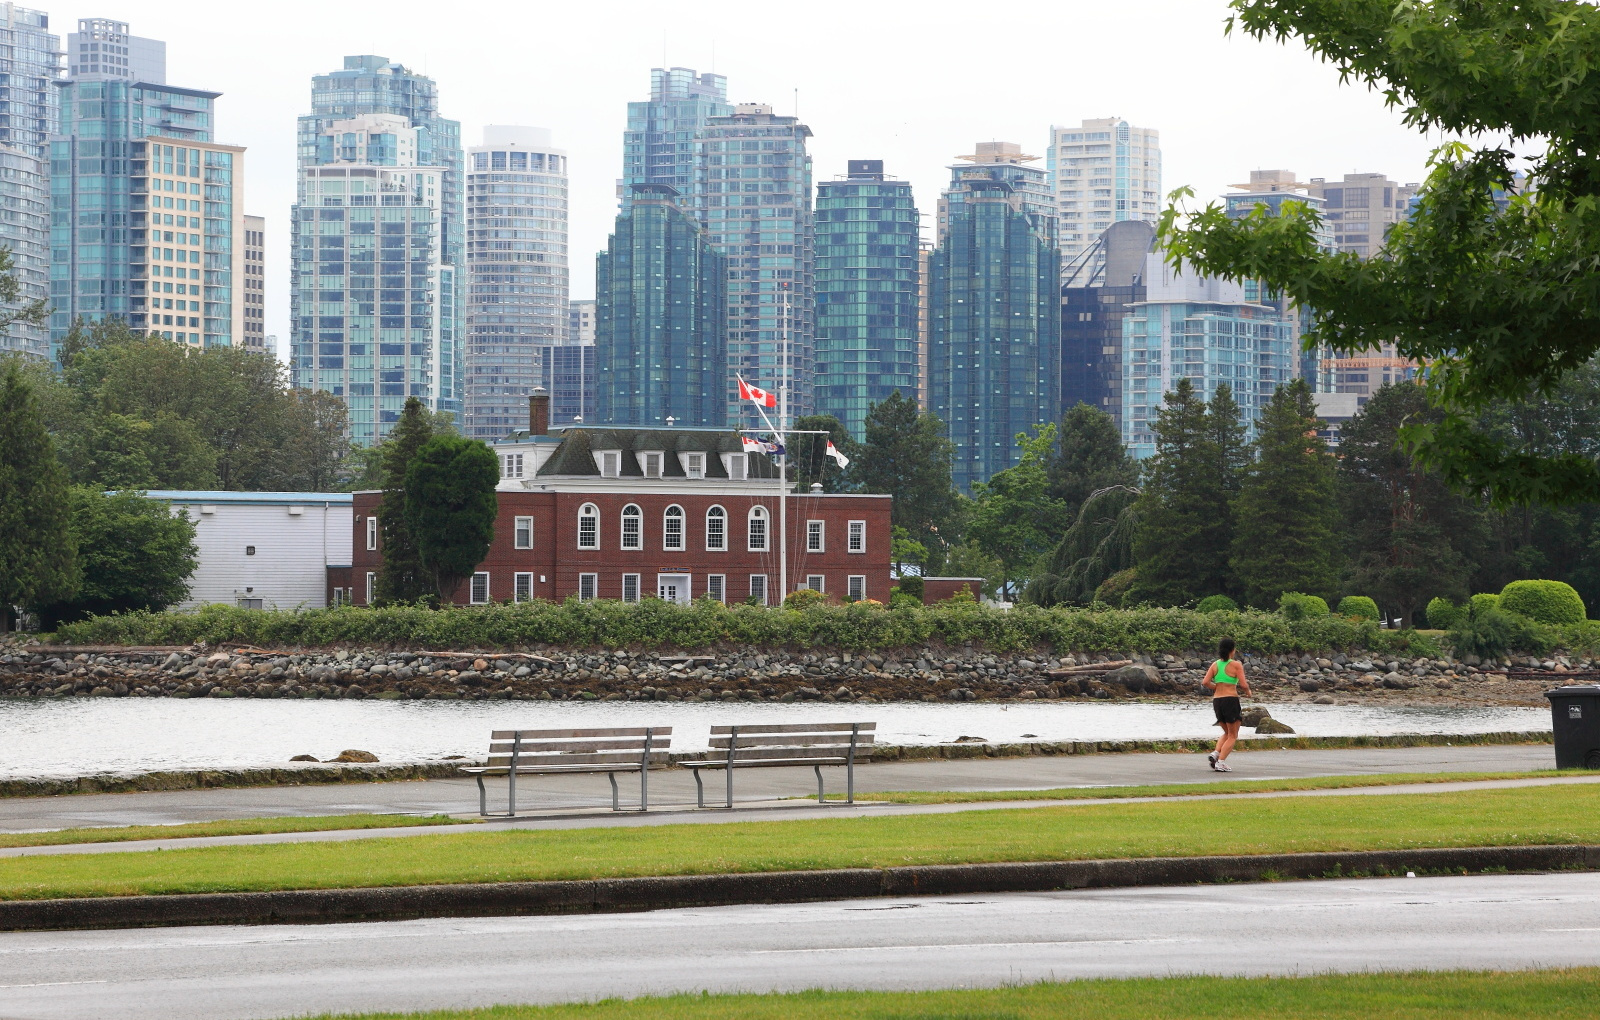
(1089, 457)
(402, 578)
(1286, 517)
(38, 558)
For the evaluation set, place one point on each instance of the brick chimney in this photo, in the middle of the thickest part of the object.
(539, 412)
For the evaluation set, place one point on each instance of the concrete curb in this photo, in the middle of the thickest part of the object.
(503, 899)
(322, 774)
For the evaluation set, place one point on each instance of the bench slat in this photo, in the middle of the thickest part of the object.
(550, 770)
(794, 728)
(600, 758)
(759, 740)
(633, 743)
(862, 753)
(625, 731)
(720, 763)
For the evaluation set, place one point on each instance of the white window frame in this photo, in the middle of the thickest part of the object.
(610, 463)
(668, 518)
(816, 582)
(372, 533)
(634, 542)
(522, 586)
(717, 542)
(652, 463)
(759, 581)
(588, 587)
(589, 513)
(856, 537)
(855, 586)
(717, 586)
(738, 467)
(758, 513)
(630, 587)
(522, 533)
(372, 584)
(816, 535)
(511, 465)
(694, 465)
(473, 596)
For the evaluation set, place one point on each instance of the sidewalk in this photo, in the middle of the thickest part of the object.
(675, 788)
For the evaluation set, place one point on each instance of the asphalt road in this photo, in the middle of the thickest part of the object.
(675, 787)
(1489, 922)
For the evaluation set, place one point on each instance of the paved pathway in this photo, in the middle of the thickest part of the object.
(560, 794)
(1496, 922)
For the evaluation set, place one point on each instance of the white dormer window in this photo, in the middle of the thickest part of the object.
(651, 462)
(511, 465)
(610, 463)
(738, 466)
(694, 465)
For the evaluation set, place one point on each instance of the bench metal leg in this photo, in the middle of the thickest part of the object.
(729, 770)
(483, 798)
(850, 781)
(699, 789)
(644, 789)
(820, 799)
(615, 804)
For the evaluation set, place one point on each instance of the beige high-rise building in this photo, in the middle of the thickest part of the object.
(1102, 171)
(253, 305)
(1361, 208)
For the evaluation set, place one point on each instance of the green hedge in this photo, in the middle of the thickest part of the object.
(705, 624)
(1555, 602)
(1359, 606)
(1298, 606)
(1216, 604)
(1443, 614)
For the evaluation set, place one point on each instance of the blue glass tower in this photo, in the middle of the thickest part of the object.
(867, 293)
(994, 358)
(30, 64)
(659, 145)
(661, 346)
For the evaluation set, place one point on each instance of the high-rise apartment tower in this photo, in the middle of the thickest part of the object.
(1102, 172)
(30, 65)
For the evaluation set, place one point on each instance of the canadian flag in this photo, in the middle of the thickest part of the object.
(752, 445)
(756, 395)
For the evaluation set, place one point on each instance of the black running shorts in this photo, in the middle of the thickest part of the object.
(1227, 709)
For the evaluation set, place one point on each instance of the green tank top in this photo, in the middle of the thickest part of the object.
(1222, 676)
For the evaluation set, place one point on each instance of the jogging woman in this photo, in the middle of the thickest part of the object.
(1225, 680)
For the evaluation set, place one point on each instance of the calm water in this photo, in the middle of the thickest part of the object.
(85, 735)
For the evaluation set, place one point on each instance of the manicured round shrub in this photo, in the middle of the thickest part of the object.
(1359, 607)
(1543, 601)
(803, 598)
(1217, 604)
(1482, 603)
(1444, 614)
(1298, 606)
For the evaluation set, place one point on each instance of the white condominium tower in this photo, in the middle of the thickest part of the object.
(1103, 171)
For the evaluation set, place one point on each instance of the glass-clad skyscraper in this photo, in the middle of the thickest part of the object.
(30, 64)
(517, 276)
(377, 117)
(867, 293)
(995, 336)
(758, 212)
(661, 346)
(660, 143)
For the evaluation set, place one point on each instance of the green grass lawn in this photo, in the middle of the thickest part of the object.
(227, 827)
(1415, 996)
(1218, 786)
(1526, 816)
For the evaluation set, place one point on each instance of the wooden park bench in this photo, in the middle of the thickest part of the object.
(555, 752)
(766, 746)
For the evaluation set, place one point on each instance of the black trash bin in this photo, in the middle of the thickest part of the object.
(1575, 718)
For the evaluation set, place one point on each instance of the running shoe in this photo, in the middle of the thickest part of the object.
(1211, 759)
(1222, 766)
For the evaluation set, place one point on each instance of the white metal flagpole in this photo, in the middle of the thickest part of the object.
(783, 437)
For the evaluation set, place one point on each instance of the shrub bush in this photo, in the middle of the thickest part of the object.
(1358, 607)
(1482, 602)
(912, 585)
(804, 598)
(1543, 601)
(1217, 604)
(898, 598)
(1297, 606)
(1494, 634)
(1443, 614)
(1113, 591)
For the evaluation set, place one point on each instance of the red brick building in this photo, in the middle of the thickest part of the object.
(620, 513)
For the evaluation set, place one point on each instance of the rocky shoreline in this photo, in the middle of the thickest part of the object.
(751, 674)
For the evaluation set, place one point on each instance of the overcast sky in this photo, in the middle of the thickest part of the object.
(912, 83)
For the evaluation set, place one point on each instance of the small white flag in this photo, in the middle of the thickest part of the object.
(838, 458)
(752, 445)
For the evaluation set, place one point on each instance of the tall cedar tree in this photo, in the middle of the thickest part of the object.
(907, 455)
(402, 578)
(808, 455)
(451, 507)
(135, 555)
(1014, 517)
(1089, 456)
(38, 557)
(1286, 518)
(1407, 529)
(1492, 289)
(1185, 521)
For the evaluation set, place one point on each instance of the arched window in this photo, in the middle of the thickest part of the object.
(758, 529)
(716, 530)
(588, 526)
(672, 529)
(632, 527)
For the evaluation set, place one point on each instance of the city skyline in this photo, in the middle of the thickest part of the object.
(877, 115)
